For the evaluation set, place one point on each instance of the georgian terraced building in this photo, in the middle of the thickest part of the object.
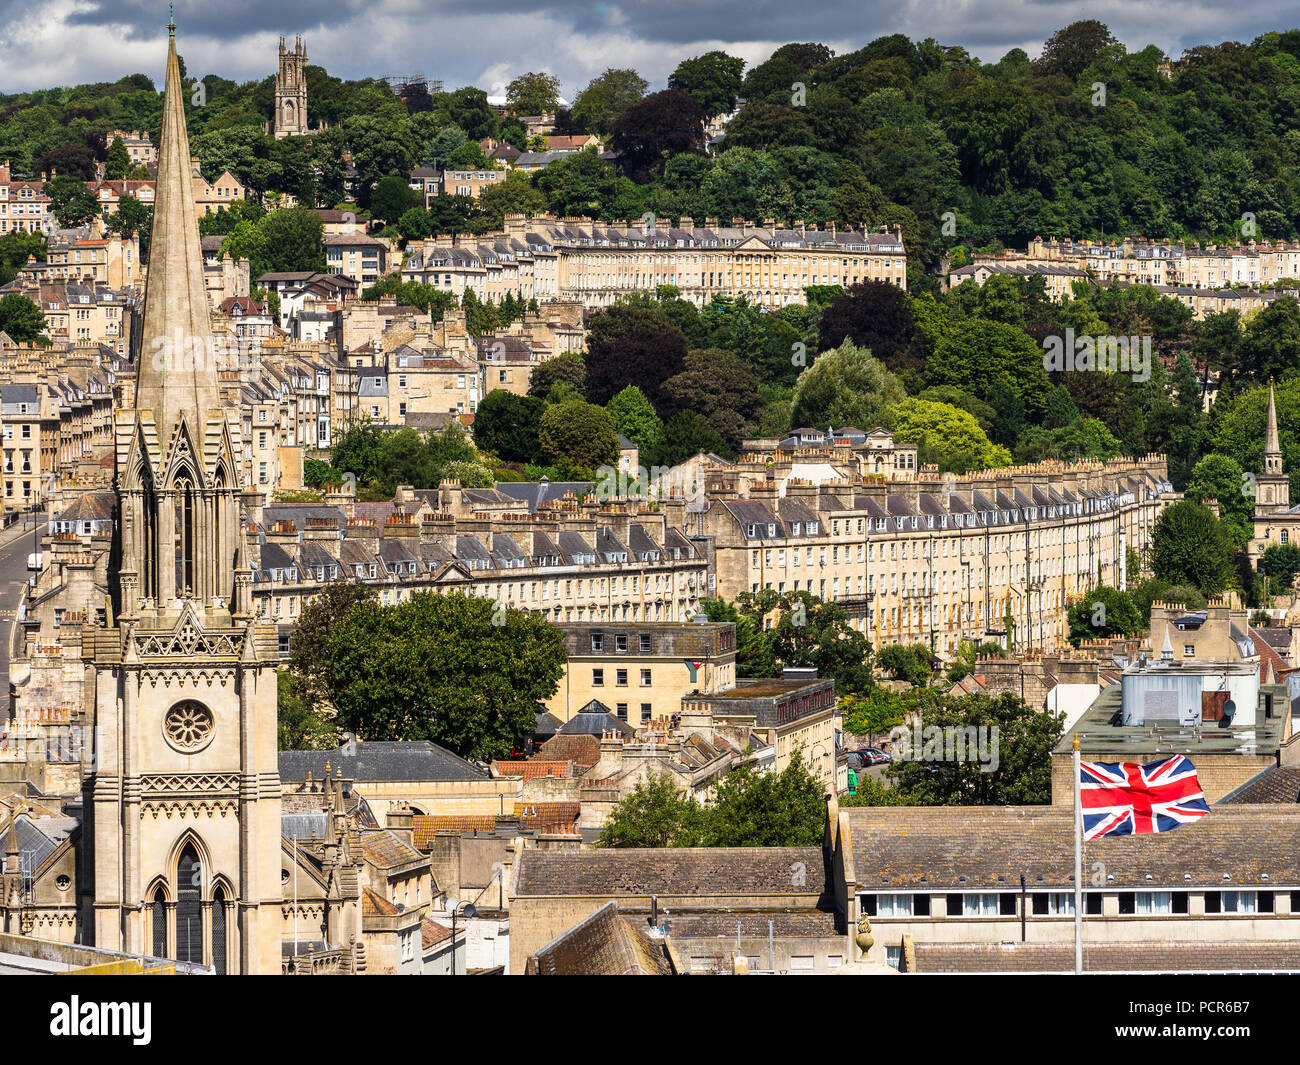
(992, 555)
(571, 562)
(546, 258)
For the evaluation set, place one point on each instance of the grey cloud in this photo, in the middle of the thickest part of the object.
(459, 43)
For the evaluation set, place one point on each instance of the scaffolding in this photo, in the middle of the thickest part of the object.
(400, 84)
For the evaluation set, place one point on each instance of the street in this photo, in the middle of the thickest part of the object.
(16, 543)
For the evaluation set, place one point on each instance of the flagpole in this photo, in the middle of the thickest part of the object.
(1078, 863)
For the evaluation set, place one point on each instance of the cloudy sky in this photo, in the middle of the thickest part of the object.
(488, 42)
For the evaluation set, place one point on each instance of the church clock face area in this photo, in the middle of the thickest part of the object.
(188, 726)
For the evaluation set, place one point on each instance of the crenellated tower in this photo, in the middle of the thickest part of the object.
(291, 91)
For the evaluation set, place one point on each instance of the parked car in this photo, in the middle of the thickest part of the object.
(872, 756)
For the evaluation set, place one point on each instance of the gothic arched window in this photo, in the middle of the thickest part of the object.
(184, 530)
(149, 537)
(189, 913)
(159, 909)
(219, 931)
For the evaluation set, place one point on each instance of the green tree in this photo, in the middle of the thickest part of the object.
(15, 248)
(653, 814)
(910, 662)
(1220, 477)
(118, 163)
(876, 712)
(132, 218)
(686, 434)
(515, 195)
(579, 433)
(1021, 774)
(464, 672)
(845, 387)
(568, 369)
(757, 809)
(579, 184)
(1191, 546)
(630, 344)
(752, 809)
(982, 355)
(753, 648)
(800, 629)
(635, 418)
(533, 94)
(1270, 340)
(281, 241)
(357, 450)
(295, 239)
(1280, 563)
(300, 724)
(712, 80)
(317, 473)
(309, 662)
(392, 198)
(22, 319)
(1104, 611)
(966, 660)
(226, 218)
(945, 435)
(72, 203)
(508, 425)
(606, 97)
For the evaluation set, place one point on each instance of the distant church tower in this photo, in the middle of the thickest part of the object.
(1272, 485)
(291, 91)
(182, 802)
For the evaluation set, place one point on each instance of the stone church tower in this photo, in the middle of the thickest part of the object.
(291, 91)
(1272, 485)
(182, 802)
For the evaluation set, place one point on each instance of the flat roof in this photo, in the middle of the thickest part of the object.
(769, 687)
(1097, 736)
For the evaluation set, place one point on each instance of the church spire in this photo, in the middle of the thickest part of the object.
(1272, 446)
(176, 373)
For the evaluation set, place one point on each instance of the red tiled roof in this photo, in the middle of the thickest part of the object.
(584, 751)
(425, 826)
(432, 932)
(534, 768)
(1267, 654)
(548, 815)
(375, 905)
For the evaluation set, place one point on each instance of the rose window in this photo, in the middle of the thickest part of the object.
(188, 726)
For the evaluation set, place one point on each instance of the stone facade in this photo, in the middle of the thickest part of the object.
(291, 91)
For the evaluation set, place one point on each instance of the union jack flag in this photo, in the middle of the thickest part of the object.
(1128, 798)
